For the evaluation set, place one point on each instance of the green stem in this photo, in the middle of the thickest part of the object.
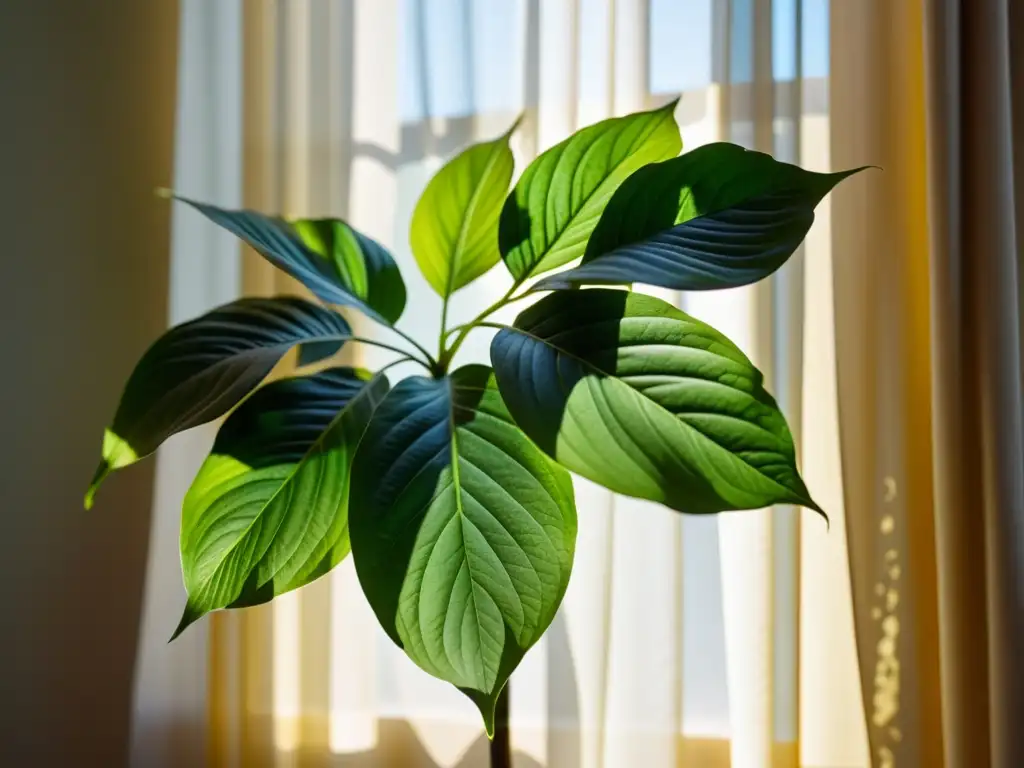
(501, 744)
(420, 347)
(393, 363)
(455, 328)
(444, 327)
(404, 352)
(447, 355)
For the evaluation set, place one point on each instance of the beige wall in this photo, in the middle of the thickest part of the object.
(86, 119)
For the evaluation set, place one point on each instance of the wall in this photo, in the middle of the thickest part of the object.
(86, 120)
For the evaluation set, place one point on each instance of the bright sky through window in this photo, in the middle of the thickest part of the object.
(463, 57)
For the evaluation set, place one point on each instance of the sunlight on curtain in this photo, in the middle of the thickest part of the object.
(682, 641)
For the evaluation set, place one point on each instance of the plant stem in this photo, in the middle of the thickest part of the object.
(501, 744)
(420, 347)
(447, 355)
(404, 352)
(444, 327)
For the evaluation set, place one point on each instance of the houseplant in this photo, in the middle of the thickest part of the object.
(452, 489)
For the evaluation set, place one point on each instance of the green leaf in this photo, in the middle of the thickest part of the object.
(462, 531)
(199, 370)
(717, 217)
(362, 265)
(337, 263)
(268, 511)
(556, 204)
(317, 351)
(453, 232)
(638, 396)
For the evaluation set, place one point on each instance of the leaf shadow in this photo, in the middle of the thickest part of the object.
(555, 375)
(660, 194)
(514, 226)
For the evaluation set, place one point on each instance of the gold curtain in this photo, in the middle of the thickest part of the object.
(927, 271)
(880, 267)
(979, 460)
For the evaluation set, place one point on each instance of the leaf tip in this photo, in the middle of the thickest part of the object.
(813, 506)
(117, 453)
(842, 175)
(488, 721)
(98, 477)
(189, 616)
(515, 124)
(671, 105)
(487, 705)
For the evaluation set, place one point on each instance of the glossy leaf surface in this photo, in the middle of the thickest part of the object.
(268, 511)
(638, 396)
(199, 370)
(337, 263)
(454, 226)
(462, 530)
(554, 207)
(717, 217)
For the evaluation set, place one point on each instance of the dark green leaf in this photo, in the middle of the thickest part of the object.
(268, 511)
(317, 351)
(337, 263)
(362, 265)
(199, 370)
(717, 217)
(556, 204)
(462, 531)
(454, 227)
(634, 394)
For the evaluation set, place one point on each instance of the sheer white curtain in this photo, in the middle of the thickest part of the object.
(682, 641)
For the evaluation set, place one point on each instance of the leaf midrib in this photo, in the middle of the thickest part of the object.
(528, 627)
(556, 243)
(467, 218)
(714, 210)
(284, 483)
(604, 374)
(457, 487)
(539, 527)
(226, 362)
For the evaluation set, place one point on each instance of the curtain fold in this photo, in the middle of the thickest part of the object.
(880, 263)
(928, 325)
(975, 75)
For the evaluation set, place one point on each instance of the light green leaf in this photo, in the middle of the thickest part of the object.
(199, 370)
(337, 263)
(638, 396)
(554, 207)
(454, 226)
(717, 217)
(462, 531)
(268, 511)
